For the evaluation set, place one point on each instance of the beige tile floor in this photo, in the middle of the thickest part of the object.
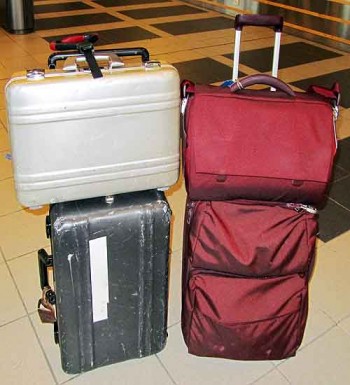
(28, 354)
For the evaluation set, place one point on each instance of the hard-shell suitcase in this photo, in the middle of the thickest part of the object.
(75, 137)
(246, 268)
(110, 267)
(241, 143)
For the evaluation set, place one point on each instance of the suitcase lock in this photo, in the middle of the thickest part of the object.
(46, 308)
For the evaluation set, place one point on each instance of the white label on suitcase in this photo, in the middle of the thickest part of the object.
(99, 278)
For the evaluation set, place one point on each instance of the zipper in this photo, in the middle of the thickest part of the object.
(301, 207)
(215, 273)
(294, 206)
(335, 118)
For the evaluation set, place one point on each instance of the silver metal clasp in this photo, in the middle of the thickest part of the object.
(152, 64)
(109, 199)
(36, 74)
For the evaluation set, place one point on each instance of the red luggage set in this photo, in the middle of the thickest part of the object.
(256, 164)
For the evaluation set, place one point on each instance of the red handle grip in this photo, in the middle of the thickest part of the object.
(70, 42)
(274, 21)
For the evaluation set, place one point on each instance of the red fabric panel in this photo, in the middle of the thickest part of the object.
(246, 267)
(240, 318)
(251, 239)
(264, 143)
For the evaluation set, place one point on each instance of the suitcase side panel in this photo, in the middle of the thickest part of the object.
(137, 250)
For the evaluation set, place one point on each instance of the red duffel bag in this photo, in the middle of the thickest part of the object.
(259, 144)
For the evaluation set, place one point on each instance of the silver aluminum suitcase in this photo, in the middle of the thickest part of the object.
(75, 137)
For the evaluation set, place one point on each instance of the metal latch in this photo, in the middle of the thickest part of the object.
(152, 64)
(106, 61)
(36, 74)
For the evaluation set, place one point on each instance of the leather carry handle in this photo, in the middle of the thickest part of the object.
(274, 21)
(262, 79)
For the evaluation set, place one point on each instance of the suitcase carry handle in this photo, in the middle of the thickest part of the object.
(44, 261)
(262, 79)
(122, 52)
(274, 21)
(85, 48)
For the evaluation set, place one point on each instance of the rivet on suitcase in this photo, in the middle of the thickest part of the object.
(75, 137)
(110, 265)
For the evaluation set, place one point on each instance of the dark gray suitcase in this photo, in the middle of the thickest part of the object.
(110, 264)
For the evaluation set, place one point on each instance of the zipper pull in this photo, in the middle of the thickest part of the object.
(335, 118)
(301, 207)
(184, 104)
(190, 212)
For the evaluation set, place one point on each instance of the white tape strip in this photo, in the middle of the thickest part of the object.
(99, 278)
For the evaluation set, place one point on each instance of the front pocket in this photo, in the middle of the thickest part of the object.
(252, 239)
(245, 318)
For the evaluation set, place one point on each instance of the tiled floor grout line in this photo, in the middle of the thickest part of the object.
(26, 254)
(2, 180)
(30, 320)
(342, 177)
(173, 324)
(166, 370)
(14, 320)
(283, 375)
(70, 379)
(12, 212)
(264, 375)
(311, 342)
(339, 204)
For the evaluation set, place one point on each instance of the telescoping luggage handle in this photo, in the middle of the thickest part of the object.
(79, 45)
(274, 21)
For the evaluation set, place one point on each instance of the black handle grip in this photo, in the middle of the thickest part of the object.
(44, 260)
(138, 51)
(274, 21)
(262, 79)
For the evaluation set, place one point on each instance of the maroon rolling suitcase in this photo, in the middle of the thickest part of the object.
(276, 144)
(246, 267)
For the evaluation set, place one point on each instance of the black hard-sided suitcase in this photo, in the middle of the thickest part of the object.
(110, 265)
